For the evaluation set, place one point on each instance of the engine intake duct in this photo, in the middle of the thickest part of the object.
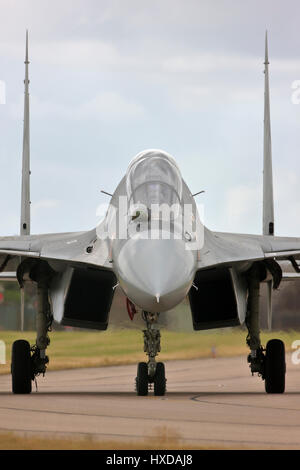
(213, 299)
(89, 299)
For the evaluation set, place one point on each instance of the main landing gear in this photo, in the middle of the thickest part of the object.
(29, 362)
(152, 372)
(268, 363)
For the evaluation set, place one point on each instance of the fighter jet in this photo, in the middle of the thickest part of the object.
(152, 244)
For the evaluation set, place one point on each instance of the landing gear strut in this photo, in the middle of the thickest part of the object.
(268, 363)
(152, 372)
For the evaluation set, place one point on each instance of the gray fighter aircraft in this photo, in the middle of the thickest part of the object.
(156, 260)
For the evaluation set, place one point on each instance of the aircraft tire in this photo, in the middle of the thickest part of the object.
(160, 380)
(21, 368)
(275, 367)
(142, 379)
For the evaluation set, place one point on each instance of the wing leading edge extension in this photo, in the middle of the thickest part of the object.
(64, 249)
(231, 248)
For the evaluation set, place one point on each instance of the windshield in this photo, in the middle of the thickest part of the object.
(153, 177)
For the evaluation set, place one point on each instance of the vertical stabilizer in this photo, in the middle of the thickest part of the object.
(268, 203)
(25, 194)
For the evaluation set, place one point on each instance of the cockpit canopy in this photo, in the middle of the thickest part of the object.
(153, 177)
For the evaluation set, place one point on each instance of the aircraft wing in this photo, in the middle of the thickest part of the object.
(230, 248)
(72, 249)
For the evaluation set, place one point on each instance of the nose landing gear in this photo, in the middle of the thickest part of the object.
(152, 372)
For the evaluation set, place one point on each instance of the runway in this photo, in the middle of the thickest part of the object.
(210, 402)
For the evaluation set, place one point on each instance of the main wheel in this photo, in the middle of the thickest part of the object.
(142, 379)
(160, 379)
(21, 369)
(275, 367)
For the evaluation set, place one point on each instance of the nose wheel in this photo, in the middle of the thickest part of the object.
(160, 380)
(151, 373)
(142, 379)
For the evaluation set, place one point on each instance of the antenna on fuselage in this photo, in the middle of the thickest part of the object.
(105, 192)
(199, 192)
(268, 202)
(25, 192)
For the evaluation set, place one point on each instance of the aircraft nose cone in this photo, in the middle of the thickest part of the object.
(155, 274)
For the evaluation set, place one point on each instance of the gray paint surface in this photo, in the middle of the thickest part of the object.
(147, 268)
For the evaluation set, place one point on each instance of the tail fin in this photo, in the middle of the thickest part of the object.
(268, 203)
(25, 195)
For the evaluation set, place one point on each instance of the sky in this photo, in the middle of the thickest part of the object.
(110, 78)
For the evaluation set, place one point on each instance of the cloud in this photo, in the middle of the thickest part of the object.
(194, 98)
(243, 205)
(287, 201)
(110, 54)
(187, 74)
(43, 205)
(106, 106)
(209, 62)
(77, 53)
(109, 106)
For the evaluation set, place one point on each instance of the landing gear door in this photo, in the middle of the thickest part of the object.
(58, 293)
(240, 289)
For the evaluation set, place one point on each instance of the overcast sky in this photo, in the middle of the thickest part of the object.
(111, 78)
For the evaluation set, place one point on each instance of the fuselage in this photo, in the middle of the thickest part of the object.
(152, 222)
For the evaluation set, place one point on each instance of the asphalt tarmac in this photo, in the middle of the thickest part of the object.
(209, 402)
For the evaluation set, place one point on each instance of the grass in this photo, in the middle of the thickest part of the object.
(74, 349)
